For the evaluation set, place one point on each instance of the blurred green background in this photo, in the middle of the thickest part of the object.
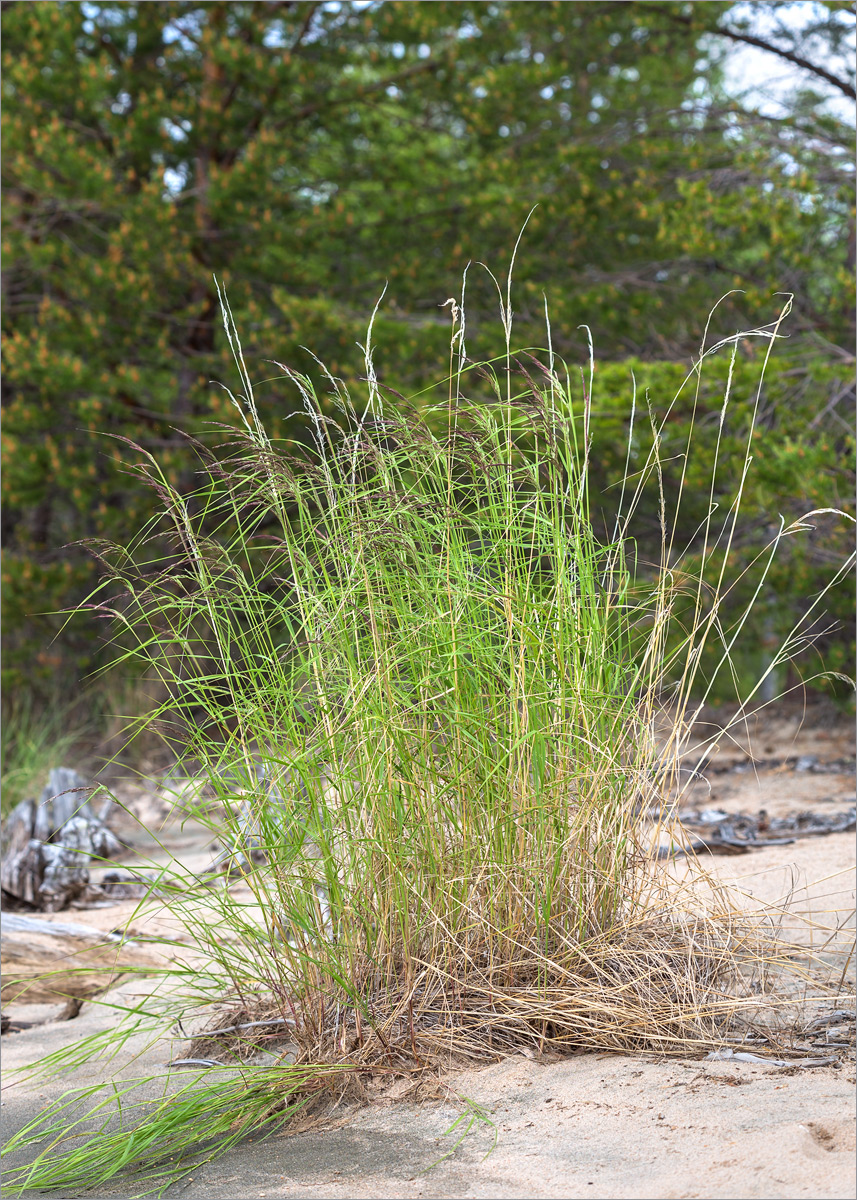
(308, 153)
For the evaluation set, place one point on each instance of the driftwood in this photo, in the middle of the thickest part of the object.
(720, 832)
(238, 855)
(47, 845)
(46, 961)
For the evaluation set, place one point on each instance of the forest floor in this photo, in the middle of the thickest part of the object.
(592, 1125)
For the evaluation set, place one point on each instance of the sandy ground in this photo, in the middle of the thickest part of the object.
(589, 1125)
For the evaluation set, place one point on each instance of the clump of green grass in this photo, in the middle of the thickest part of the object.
(432, 694)
(33, 740)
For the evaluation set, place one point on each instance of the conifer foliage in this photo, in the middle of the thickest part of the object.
(309, 154)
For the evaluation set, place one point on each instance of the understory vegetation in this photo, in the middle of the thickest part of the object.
(33, 741)
(435, 713)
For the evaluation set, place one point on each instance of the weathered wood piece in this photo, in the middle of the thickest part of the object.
(47, 846)
(47, 961)
(64, 796)
(729, 833)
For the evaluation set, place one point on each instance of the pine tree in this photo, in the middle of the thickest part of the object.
(307, 155)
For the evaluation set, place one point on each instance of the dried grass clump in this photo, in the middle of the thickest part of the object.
(657, 987)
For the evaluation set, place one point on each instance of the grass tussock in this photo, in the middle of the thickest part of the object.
(427, 700)
(32, 742)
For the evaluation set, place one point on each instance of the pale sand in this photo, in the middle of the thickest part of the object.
(586, 1126)
(600, 1126)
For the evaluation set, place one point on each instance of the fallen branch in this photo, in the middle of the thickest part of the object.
(46, 961)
